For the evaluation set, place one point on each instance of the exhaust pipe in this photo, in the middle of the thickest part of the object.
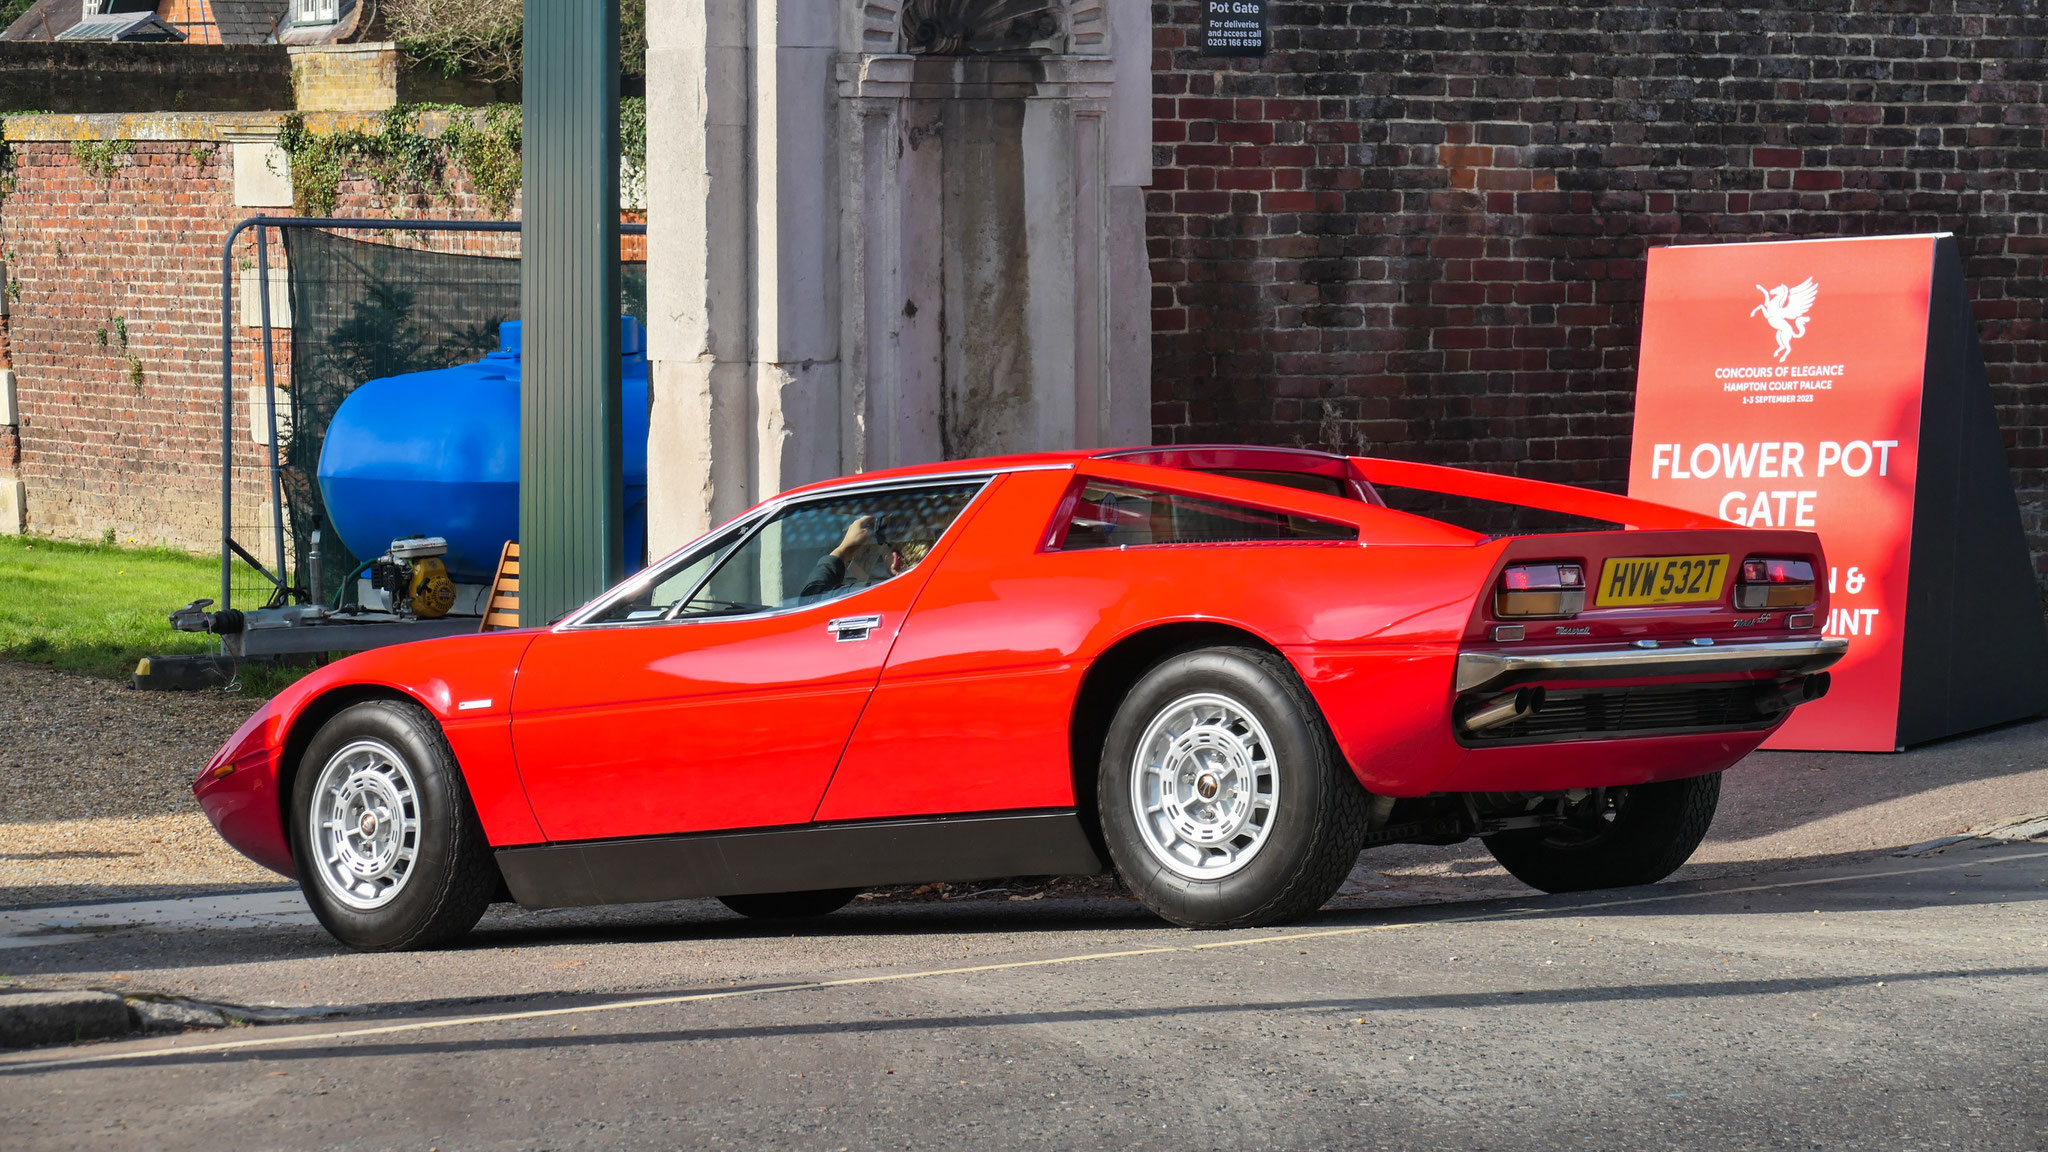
(1377, 809)
(1790, 695)
(1506, 710)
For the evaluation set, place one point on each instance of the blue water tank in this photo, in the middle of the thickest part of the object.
(436, 453)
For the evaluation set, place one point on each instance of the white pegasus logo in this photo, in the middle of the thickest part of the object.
(1786, 309)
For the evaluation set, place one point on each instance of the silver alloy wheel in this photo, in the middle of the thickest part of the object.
(365, 825)
(1204, 786)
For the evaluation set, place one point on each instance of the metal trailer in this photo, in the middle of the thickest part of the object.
(291, 622)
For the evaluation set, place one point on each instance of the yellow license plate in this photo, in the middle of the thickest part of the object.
(1661, 580)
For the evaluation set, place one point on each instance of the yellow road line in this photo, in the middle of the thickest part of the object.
(855, 981)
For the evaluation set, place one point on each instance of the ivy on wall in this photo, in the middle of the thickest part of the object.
(488, 148)
(400, 159)
(101, 158)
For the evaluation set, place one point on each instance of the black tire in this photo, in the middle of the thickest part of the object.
(451, 878)
(1316, 820)
(790, 905)
(1650, 830)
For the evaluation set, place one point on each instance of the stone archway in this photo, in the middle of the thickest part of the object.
(891, 232)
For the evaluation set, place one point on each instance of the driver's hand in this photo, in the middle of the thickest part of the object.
(858, 534)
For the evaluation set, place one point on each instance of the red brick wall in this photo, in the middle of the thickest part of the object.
(98, 452)
(1419, 229)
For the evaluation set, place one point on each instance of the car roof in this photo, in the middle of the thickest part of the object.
(1235, 467)
(1202, 457)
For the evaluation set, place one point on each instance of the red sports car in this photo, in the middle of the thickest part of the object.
(1221, 671)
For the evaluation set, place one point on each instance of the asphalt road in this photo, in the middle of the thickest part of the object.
(1800, 984)
(1886, 1003)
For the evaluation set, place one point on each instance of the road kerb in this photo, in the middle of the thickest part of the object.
(29, 1019)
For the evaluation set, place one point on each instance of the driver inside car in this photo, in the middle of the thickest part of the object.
(854, 562)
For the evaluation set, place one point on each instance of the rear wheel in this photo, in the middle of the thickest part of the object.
(1225, 803)
(389, 851)
(1623, 837)
(790, 905)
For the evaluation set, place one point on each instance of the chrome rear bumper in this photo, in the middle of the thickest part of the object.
(1483, 670)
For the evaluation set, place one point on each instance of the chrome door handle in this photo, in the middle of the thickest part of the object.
(848, 628)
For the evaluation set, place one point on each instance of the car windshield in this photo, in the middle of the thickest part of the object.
(655, 594)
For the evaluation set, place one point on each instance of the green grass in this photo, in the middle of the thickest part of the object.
(97, 608)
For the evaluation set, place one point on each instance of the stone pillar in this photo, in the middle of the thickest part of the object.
(1128, 131)
(699, 261)
(796, 258)
(889, 232)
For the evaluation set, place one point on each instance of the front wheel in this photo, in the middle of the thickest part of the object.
(1622, 837)
(389, 851)
(1225, 802)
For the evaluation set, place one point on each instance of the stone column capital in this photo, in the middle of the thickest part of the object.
(1086, 80)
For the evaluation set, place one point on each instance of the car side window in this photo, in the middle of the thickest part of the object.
(1117, 516)
(661, 591)
(823, 549)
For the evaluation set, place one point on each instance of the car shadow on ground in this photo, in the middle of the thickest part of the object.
(1354, 1009)
(1847, 882)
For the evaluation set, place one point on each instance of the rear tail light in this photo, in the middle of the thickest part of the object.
(1541, 590)
(1774, 582)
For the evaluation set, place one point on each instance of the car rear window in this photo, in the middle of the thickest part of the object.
(1306, 481)
(1116, 516)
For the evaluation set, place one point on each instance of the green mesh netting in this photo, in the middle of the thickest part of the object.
(365, 309)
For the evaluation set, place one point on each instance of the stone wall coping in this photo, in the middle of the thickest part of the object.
(182, 126)
(363, 48)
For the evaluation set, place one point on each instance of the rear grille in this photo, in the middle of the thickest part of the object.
(1577, 714)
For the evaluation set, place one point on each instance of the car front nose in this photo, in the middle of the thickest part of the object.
(238, 792)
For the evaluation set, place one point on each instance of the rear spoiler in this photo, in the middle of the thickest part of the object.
(1529, 494)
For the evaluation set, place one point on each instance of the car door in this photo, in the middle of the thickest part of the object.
(719, 690)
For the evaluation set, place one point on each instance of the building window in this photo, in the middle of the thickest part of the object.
(315, 11)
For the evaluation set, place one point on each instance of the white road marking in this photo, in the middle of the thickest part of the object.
(892, 977)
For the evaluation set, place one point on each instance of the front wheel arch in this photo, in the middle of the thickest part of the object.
(313, 716)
